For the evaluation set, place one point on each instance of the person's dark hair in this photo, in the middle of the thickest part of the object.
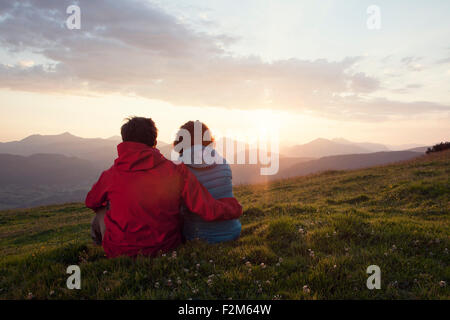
(189, 126)
(140, 129)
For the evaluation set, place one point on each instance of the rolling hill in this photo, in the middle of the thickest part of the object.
(346, 162)
(27, 181)
(311, 237)
(45, 169)
(323, 147)
(369, 146)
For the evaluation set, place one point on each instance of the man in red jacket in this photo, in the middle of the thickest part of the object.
(143, 192)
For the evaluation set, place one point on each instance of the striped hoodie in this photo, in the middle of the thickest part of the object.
(217, 179)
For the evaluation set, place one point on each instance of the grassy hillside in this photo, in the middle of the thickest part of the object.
(305, 238)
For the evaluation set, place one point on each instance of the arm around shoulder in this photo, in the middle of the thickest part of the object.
(199, 201)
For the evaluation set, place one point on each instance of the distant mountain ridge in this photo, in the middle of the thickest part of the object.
(370, 146)
(321, 147)
(347, 162)
(41, 170)
(105, 149)
(45, 169)
(101, 152)
(41, 179)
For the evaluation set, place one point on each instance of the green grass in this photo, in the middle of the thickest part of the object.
(320, 231)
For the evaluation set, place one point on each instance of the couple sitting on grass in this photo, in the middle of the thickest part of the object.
(146, 204)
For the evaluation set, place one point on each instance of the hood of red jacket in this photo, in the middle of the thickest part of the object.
(134, 156)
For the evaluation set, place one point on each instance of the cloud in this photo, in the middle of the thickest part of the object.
(443, 61)
(364, 84)
(414, 86)
(412, 63)
(409, 60)
(26, 63)
(408, 88)
(134, 47)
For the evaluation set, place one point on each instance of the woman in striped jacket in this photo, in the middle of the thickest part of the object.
(216, 177)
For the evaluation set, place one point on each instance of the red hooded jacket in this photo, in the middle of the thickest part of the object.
(145, 191)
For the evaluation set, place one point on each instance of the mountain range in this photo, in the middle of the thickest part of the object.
(100, 152)
(47, 169)
(324, 147)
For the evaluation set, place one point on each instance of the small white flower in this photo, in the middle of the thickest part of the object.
(442, 283)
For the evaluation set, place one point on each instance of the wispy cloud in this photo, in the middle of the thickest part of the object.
(134, 47)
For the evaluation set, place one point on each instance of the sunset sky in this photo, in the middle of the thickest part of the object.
(312, 68)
